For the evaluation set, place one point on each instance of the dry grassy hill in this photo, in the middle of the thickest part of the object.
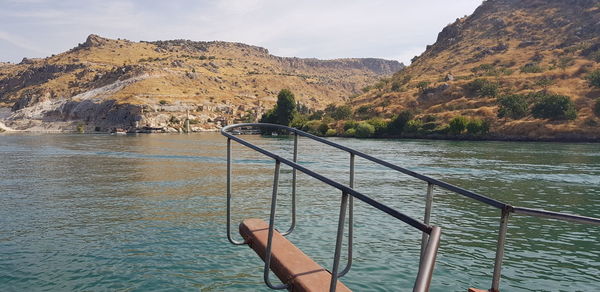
(105, 83)
(518, 47)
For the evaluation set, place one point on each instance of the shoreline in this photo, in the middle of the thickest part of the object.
(492, 138)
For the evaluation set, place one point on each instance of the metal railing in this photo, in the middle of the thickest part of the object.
(506, 209)
(431, 234)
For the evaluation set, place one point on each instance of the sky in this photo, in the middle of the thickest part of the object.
(325, 29)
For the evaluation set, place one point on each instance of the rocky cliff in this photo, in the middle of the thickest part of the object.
(104, 83)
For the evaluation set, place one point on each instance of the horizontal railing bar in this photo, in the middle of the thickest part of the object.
(556, 215)
(450, 187)
(390, 211)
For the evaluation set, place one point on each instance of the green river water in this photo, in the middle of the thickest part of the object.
(147, 212)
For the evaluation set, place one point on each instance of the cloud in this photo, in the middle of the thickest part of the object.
(20, 43)
(310, 28)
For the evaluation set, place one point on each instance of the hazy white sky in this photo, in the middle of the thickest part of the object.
(326, 29)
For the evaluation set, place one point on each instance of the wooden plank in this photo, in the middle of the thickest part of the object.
(289, 263)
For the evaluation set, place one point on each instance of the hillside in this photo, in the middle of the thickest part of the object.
(524, 49)
(104, 83)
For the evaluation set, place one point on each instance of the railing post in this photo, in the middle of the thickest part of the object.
(271, 227)
(427, 217)
(338, 243)
(427, 262)
(295, 159)
(229, 237)
(350, 220)
(500, 249)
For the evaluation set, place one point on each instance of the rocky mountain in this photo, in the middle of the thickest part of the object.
(527, 50)
(105, 83)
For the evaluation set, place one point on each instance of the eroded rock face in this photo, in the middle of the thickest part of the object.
(96, 114)
(30, 98)
(35, 75)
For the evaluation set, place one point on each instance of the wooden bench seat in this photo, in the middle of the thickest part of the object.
(289, 263)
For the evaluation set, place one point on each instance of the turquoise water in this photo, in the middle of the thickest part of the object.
(137, 213)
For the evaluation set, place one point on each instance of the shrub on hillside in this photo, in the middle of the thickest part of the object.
(298, 121)
(380, 125)
(512, 106)
(457, 125)
(413, 126)
(482, 88)
(423, 85)
(350, 132)
(399, 81)
(312, 127)
(330, 132)
(341, 112)
(544, 82)
(554, 107)
(317, 115)
(597, 107)
(350, 125)
(398, 122)
(363, 110)
(594, 78)
(323, 127)
(486, 69)
(531, 68)
(429, 126)
(364, 130)
(477, 126)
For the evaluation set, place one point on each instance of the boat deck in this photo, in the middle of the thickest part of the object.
(289, 263)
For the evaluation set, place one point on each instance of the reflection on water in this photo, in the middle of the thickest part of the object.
(86, 212)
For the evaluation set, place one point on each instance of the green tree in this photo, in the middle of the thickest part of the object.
(457, 125)
(414, 126)
(364, 130)
(285, 108)
(284, 111)
(350, 132)
(554, 107)
(477, 126)
(482, 88)
(350, 125)
(513, 106)
(597, 107)
(323, 127)
(397, 124)
(342, 112)
(380, 125)
(269, 117)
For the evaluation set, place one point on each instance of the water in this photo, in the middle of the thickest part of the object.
(135, 213)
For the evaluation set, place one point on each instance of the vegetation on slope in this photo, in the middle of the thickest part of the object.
(526, 69)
